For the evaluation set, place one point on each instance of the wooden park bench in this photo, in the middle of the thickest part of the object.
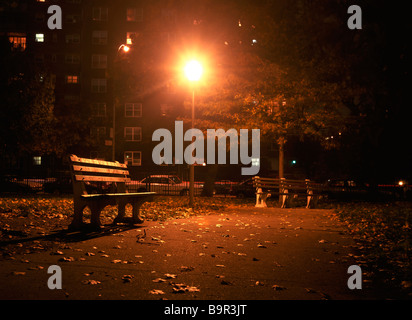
(87, 176)
(286, 189)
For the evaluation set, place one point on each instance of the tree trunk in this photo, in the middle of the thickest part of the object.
(209, 185)
(281, 157)
(281, 164)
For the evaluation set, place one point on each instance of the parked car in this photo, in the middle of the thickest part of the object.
(348, 190)
(13, 185)
(243, 189)
(59, 186)
(64, 185)
(223, 187)
(164, 184)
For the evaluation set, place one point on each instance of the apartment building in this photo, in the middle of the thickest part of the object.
(90, 61)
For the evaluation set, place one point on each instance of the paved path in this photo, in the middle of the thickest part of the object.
(240, 254)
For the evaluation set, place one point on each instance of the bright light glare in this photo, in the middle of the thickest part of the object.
(400, 183)
(193, 70)
(126, 48)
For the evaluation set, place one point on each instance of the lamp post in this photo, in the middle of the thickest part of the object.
(193, 71)
(125, 49)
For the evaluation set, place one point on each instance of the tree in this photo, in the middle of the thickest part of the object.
(274, 76)
(27, 121)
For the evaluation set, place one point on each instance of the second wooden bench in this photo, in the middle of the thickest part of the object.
(286, 188)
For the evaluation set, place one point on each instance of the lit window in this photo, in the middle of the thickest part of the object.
(131, 14)
(133, 158)
(39, 37)
(37, 161)
(133, 110)
(255, 162)
(72, 79)
(133, 134)
(18, 41)
(131, 37)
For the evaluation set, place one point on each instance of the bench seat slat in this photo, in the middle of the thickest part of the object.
(77, 168)
(114, 195)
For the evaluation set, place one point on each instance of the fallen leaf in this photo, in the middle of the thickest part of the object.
(92, 282)
(155, 291)
(66, 259)
(127, 278)
(116, 261)
(182, 288)
(184, 268)
(278, 288)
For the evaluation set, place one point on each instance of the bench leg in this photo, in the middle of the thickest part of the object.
(96, 208)
(309, 199)
(77, 222)
(261, 198)
(135, 219)
(284, 198)
(312, 201)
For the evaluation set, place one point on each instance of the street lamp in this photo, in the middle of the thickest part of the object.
(193, 71)
(125, 49)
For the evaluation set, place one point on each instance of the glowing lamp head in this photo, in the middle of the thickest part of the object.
(193, 70)
(126, 48)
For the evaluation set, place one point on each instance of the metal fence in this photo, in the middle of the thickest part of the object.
(64, 186)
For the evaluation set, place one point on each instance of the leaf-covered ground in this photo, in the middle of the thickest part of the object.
(23, 216)
(383, 235)
(381, 231)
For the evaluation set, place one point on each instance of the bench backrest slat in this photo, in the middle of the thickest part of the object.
(268, 183)
(101, 178)
(74, 158)
(91, 170)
